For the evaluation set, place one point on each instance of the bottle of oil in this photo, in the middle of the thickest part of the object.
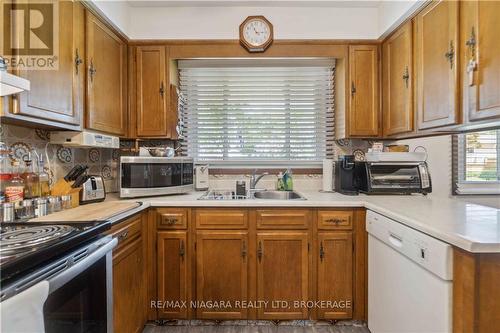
(31, 180)
(43, 178)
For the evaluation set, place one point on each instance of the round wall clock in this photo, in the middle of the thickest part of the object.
(256, 33)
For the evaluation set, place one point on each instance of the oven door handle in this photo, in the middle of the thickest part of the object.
(74, 269)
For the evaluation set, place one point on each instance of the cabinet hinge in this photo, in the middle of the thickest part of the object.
(195, 246)
(308, 247)
(353, 247)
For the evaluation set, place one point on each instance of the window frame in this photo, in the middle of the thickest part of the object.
(472, 187)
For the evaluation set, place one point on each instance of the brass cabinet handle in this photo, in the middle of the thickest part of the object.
(170, 220)
(353, 89)
(78, 61)
(92, 70)
(123, 235)
(321, 251)
(244, 250)
(471, 43)
(260, 251)
(334, 220)
(406, 76)
(182, 250)
(162, 89)
(450, 54)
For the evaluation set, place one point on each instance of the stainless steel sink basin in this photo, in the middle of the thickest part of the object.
(278, 195)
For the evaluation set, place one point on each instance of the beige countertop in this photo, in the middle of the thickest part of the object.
(472, 227)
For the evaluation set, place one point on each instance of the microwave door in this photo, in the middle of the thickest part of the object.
(166, 175)
(136, 175)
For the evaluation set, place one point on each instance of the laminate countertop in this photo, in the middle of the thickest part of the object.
(469, 226)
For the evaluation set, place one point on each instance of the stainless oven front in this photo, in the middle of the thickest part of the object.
(148, 176)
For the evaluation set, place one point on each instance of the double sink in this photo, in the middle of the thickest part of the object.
(257, 194)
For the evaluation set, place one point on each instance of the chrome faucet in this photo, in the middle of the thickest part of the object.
(255, 179)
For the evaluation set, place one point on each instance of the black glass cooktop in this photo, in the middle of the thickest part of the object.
(25, 246)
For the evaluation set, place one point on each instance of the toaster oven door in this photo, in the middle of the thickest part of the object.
(394, 176)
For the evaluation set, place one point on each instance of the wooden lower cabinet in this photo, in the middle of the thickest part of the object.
(172, 274)
(335, 275)
(282, 274)
(128, 290)
(221, 274)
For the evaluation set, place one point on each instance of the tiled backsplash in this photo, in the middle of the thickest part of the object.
(103, 162)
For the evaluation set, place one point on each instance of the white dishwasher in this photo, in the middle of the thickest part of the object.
(409, 279)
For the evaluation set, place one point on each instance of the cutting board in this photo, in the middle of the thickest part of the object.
(92, 212)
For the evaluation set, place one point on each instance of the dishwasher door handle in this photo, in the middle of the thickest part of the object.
(395, 240)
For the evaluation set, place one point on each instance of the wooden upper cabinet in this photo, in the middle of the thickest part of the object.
(282, 273)
(106, 78)
(153, 91)
(480, 44)
(335, 274)
(222, 272)
(128, 288)
(58, 95)
(364, 106)
(398, 82)
(436, 45)
(172, 273)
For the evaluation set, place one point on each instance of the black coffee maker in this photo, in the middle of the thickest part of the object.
(345, 180)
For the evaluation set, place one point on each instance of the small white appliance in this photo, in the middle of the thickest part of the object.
(84, 139)
(409, 279)
(201, 177)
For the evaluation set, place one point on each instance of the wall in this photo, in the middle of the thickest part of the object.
(393, 13)
(117, 12)
(223, 22)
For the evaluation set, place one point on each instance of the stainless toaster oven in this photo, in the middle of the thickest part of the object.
(393, 177)
(142, 176)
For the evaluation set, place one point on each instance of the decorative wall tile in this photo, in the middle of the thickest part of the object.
(106, 172)
(94, 155)
(18, 150)
(42, 134)
(64, 155)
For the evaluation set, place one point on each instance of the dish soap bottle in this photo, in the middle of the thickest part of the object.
(281, 183)
(287, 179)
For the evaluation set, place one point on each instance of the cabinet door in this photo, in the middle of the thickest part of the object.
(221, 273)
(436, 64)
(282, 274)
(364, 116)
(480, 27)
(152, 91)
(335, 274)
(128, 288)
(57, 95)
(397, 82)
(172, 273)
(106, 78)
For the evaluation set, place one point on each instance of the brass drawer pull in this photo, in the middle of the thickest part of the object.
(260, 251)
(123, 235)
(244, 250)
(182, 250)
(334, 220)
(170, 220)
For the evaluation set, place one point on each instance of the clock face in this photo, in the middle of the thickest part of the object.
(256, 33)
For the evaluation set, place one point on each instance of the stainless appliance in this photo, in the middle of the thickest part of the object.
(344, 175)
(142, 176)
(393, 177)
(92, 190)
(74, 259)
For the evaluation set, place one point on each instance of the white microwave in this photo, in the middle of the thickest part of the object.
(143, 176)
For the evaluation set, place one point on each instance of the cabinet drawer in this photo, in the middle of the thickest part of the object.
(283, 218)
(221, 219)
(335, 220)
(172, 218)
(127, 231)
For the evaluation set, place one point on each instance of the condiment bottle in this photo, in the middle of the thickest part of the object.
(31, 180)
(14, 189)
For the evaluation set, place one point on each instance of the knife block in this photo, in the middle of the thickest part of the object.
(62, 187)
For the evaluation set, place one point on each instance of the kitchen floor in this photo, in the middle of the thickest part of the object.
(259, 328)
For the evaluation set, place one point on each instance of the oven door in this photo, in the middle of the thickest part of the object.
(81, 296)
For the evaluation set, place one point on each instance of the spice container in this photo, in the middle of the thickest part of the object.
(53, 205)
(25, 210)
(65, 202)
(7, 212)
(41, 207)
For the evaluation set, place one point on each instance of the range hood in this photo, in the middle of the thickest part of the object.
(85, 139)
(9, 83)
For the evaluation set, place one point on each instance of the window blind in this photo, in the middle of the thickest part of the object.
(478, 161)
(257, 113)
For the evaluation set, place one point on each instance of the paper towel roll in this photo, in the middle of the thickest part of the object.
(327, 175)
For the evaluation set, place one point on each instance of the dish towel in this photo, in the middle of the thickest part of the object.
(23, 313)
